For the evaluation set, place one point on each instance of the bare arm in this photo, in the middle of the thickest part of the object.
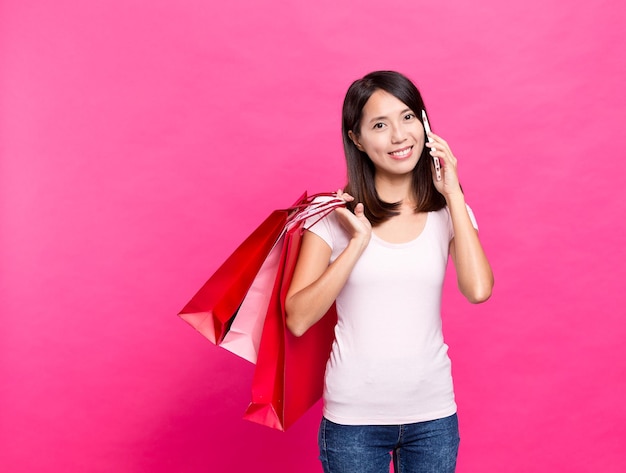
(474, 274)
(316, 283)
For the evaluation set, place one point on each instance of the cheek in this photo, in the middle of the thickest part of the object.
(419, 131)
(373, 144)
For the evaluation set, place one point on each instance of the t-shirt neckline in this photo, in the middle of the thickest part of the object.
(405, 244)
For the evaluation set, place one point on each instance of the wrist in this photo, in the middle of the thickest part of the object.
(359, 242)
(455, 198)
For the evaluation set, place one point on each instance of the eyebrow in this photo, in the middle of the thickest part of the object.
(383, 117)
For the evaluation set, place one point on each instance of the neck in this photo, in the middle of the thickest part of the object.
(396, 189)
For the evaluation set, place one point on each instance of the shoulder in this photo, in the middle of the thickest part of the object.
(324, 224)
(444, 219)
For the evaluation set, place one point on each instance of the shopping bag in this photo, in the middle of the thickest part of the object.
(289, 373)
(212, 309)
(244, 333)
(230, 308)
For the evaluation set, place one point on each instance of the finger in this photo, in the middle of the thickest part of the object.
(345, 196)
(437, 138)
(444, 154)
(437, 147)
(440, 145)
(438, 153)
(359, 210)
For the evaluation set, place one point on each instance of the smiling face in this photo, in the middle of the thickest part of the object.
(390, 134)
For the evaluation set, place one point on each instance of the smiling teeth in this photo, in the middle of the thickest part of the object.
(401, 153)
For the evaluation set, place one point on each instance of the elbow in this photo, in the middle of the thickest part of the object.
(296, 329)
(479, 293)
(479, 297)
(301, 316)
(294, 324)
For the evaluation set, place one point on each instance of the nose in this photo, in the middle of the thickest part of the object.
(398, 134)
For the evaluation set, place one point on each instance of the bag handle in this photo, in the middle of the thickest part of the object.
(309, 208)
(306, 201)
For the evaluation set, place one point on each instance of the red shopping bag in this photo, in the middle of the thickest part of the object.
(211, 310)
(230, 308)
(289, 374)
(244, 333)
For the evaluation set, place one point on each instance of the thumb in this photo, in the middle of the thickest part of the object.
(359, 210)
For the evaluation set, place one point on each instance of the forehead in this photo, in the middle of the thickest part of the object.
(383, 104)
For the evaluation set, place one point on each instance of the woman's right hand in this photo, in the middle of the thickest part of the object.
(316, 282)
(356, 224)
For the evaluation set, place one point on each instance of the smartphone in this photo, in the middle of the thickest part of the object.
(435, 158)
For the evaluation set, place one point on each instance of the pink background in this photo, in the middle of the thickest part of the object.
(141, 141)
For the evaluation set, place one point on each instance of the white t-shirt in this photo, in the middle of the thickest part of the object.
(389, 363)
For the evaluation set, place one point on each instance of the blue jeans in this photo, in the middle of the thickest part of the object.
(423, 447)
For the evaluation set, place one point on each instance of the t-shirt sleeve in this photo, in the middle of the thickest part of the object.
(471, 216)
(322, 227)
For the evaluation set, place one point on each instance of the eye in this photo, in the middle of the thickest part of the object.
(378, 126)
(409, 116)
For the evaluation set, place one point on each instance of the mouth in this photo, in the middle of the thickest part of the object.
(401, 153)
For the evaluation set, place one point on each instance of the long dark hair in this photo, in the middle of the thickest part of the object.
(361, 170)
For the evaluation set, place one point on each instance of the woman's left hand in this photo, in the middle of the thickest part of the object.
(449, 182)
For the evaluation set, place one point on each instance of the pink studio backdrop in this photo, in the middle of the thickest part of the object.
(141, 141)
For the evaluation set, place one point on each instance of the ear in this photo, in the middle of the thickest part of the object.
(355, 140)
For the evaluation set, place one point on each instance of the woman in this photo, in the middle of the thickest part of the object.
(388, 385)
